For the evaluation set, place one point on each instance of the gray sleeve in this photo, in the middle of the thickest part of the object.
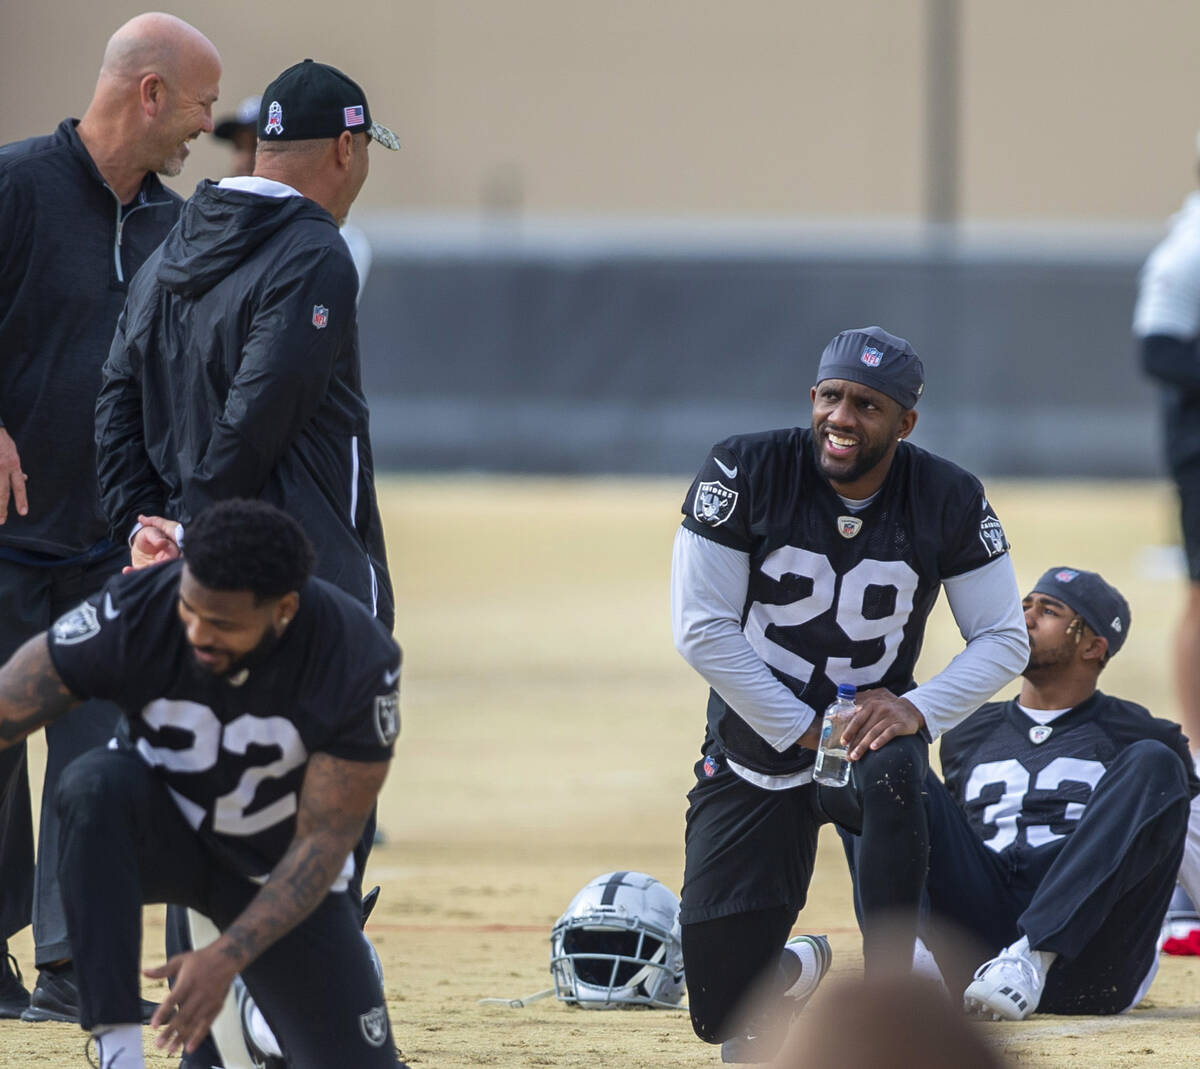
(986, 604)
(708, 591)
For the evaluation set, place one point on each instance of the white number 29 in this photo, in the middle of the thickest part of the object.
(850, 598)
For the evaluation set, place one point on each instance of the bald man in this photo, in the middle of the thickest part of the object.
(80, 210)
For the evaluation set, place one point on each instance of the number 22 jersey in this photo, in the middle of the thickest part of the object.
(233, 749)
(834, 596)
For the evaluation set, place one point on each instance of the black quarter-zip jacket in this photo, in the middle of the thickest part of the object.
(235, 372)
(68, 249)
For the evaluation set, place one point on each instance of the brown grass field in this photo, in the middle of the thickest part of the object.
(549, 734)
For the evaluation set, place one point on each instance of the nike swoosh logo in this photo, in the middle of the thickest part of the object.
(111, 612)
(730, 472)
(390, 678)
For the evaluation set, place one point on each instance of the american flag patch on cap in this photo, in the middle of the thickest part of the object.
(354, 115)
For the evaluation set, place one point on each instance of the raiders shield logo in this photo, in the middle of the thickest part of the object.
(387, 717)
(991, 534)
(848, 526)
(715, 503)
(77, 626)
(374, 1026)
(1039, 733)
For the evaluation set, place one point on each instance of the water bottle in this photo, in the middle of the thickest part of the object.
(832, 768)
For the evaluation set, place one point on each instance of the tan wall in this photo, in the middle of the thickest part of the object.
(1072, 109)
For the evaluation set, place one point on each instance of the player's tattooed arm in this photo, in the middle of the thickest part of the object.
(335, 802)
(31, 692)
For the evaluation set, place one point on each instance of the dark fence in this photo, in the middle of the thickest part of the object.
(625, 352)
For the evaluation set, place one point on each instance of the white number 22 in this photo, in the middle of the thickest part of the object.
(229, 812)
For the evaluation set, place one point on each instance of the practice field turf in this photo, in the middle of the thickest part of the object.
(549, 730)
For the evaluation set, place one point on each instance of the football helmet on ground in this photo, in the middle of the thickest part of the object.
(617, 944)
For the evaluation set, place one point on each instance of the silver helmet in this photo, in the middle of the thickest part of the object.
(617, 944)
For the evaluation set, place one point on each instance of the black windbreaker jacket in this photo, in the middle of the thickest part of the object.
(235, 373)
(67, 251)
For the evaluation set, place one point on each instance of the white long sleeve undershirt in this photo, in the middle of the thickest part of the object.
(708, 592)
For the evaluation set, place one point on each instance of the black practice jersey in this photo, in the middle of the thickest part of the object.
(1024, 786)
(233, 750)
(834, 597)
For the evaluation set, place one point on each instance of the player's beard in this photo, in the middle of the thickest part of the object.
(251, 659)
(869, 455)
(1043, 659)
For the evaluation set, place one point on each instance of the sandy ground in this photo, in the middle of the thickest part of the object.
(549, 733)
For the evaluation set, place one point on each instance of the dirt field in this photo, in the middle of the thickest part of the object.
(549, 733)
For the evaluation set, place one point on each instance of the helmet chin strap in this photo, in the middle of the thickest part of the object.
(517, 1003)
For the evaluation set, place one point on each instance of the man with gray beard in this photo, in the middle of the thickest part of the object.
(80, 211)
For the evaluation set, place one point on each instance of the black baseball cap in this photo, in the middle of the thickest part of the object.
(313, 100)
(246, 117)
(872, 357)
(1100, 604)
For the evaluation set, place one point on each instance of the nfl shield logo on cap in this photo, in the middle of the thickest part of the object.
(320, 316)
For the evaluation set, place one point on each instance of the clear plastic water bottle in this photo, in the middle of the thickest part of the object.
(833, 764)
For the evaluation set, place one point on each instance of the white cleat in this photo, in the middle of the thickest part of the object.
(1007, 988)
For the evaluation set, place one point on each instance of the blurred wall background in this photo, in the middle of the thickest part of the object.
(620, 231)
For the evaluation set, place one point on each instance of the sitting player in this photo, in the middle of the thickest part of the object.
(262, 707)
(1057, 836)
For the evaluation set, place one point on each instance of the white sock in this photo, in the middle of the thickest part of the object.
(807, 981)
(1041, 960)
(925, 965)
(261, 1032)
(119, 1046)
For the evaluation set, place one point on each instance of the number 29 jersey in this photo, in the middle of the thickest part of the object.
(834, 596)
(233, 750)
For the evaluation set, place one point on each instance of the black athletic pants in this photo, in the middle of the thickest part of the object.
(33, 597)
(124, 843)
(749, 860)
(1097, 898)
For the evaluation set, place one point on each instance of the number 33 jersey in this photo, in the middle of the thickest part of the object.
(1024, 785)
(834, 596)
(233, 750)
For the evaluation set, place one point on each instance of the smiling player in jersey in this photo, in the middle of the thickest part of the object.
(262, 707)
(809, 558)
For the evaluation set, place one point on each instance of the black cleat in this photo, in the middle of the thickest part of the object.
(14, 998)
(369, 901)
(56, 998)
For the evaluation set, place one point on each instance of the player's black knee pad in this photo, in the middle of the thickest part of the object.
(897, 767)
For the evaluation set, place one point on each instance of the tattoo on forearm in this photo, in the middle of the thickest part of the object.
(31, 692)
(334, 803)
(296, 887)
